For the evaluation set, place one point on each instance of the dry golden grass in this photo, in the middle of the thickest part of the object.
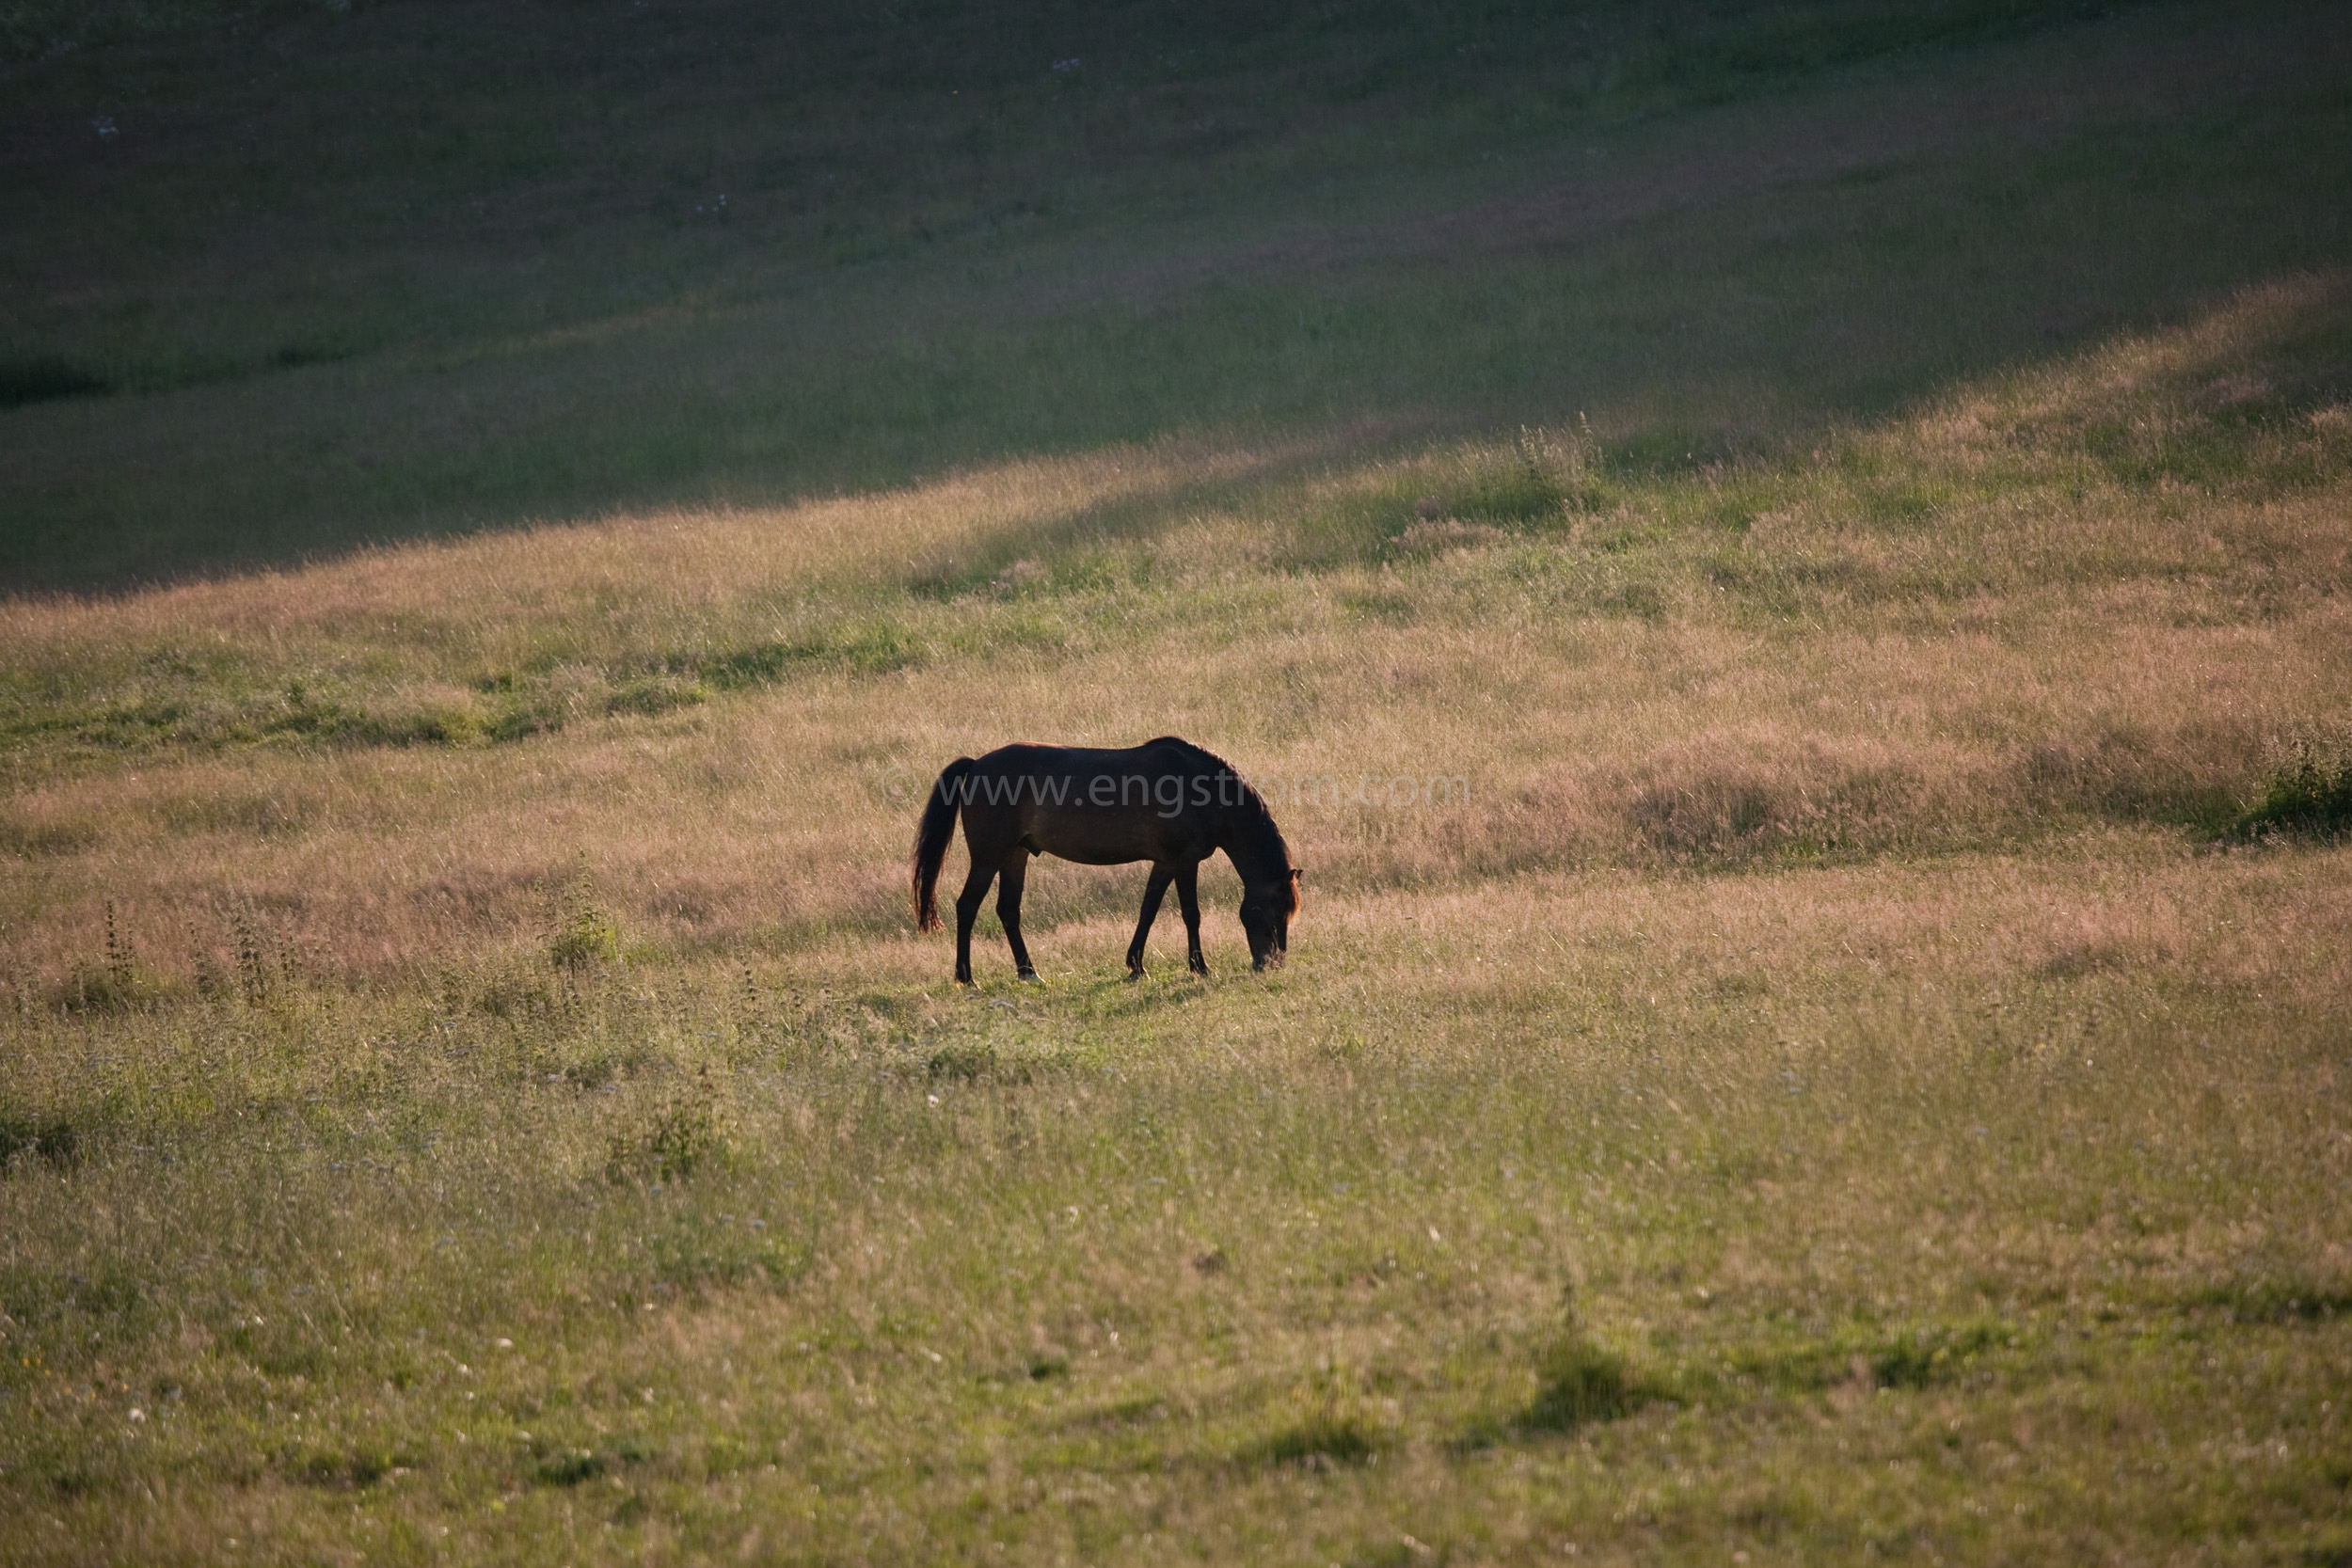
(1959, 631)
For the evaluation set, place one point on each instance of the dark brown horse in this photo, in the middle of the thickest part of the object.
(1167, 801)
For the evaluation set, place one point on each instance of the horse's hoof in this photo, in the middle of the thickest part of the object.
(1135, 972)
(1026, 974)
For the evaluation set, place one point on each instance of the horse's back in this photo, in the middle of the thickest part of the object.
(1158, 754)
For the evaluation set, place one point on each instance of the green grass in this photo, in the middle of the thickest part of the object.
(380, 1257)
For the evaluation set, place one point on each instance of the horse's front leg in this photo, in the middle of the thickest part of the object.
(968, 910)
(1189, 899)
(1153, 890)
(1015, 872)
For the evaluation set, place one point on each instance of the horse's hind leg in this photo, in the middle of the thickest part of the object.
(968, 910)
(1189, 899)
(1153, 892)
(1016, 872)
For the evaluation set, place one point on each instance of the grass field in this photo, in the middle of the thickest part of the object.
(1788, 571)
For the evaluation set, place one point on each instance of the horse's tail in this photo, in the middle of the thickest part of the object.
(930, 840)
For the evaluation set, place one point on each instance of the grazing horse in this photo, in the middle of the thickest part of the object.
(1167, 801)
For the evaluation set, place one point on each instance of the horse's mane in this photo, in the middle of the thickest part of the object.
(1257, 820)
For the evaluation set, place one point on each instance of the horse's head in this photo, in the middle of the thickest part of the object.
(1266, 908)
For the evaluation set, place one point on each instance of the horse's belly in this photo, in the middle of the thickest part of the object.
(1098, 837)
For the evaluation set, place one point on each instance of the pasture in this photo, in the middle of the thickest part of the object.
(1786, 571)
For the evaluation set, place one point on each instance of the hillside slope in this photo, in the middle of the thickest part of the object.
(316, 277)
(1783, 570)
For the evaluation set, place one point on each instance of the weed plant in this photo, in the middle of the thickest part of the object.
(2308, 791)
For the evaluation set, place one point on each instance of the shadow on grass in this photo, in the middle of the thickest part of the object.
(1762, 284)
(1580, 1384)
(2308, 793)
(1919, 1356)
(1322, 1441)
(338, 1469)
(45, 378)
(2274, 1301)
(53, 1140)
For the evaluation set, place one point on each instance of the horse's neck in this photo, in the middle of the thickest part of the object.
(1244, 840)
